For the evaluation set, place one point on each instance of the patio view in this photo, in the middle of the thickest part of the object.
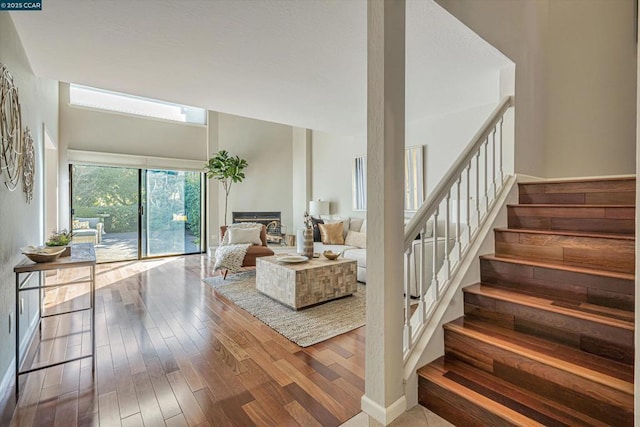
(130, 213)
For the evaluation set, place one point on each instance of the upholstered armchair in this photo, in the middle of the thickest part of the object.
(254, 251)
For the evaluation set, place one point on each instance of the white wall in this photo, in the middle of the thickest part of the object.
(95, 130)
(267, 147)
(575, 80)
(332, 163)
(591, 83)
(444, 137)
(22, 224)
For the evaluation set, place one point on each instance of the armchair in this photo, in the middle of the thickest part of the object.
(254, 251)
(87, 230)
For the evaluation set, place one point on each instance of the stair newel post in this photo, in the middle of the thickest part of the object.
(478, 188)
(468, 203)
(407, 301)
(493, 161)
(486, 176)
(458, 239)
(434, 282)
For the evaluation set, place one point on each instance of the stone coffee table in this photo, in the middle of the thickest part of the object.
(307, 283)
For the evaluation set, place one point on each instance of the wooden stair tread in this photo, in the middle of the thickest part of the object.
(581, 180)
(568, 233)
(560, 266)
(435, 373)
(568, 205)
(559, 354)
(502, 395)
(549, 305)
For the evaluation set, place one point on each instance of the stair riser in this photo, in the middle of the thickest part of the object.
(588, 397)
(455, 408)
(593, 252)
(594, 193)
(593, 337)
(619, 220)
(569, 285)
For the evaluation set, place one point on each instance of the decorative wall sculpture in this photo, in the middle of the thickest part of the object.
(28, 165)
(10, 130)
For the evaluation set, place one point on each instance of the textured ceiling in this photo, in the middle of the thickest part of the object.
(296, 62)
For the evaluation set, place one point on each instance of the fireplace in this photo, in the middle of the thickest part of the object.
(272, 220)
(260, 217)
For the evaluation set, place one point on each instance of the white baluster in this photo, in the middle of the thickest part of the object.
(458, 239)
(407, 299)
(434, 282)
(500, 152)
(493, 162)
(478, 187)
(423, 276)
(447, 259)
(486, 178)
(469, 202)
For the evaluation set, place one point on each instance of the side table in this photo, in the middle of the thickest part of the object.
(82, 255)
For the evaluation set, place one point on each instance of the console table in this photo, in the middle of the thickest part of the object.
(82, 255)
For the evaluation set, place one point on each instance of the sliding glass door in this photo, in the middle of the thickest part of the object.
(172, 211)
(137, 213)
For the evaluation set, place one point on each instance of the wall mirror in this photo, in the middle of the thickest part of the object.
(413, 180)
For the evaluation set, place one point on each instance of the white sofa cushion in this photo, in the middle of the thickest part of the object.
(357, 239)
(358, 254)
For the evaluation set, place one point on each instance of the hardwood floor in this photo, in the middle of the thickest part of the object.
(171, 352)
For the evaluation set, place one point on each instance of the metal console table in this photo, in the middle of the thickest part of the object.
(82, 255)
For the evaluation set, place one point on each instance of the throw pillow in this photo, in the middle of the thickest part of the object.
(356, 238)
(343, 220)
(225, 237)
(81, 225)
(363, 227)
(316, 230)
(332, 233)
(244, 235)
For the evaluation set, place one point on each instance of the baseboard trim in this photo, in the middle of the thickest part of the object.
(9, 375)
(384, 415)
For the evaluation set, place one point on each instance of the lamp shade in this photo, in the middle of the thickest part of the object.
(318, 207)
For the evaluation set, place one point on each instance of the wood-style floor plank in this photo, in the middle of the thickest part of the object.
(170, 351)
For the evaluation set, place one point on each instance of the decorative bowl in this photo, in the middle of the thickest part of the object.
(42, 254)
(331, 255)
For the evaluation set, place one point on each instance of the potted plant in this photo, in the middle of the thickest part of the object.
(61, 238)
(226, 169)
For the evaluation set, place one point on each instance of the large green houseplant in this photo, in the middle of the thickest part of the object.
(226, 169)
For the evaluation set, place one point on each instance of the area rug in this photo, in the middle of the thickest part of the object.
(304, 327)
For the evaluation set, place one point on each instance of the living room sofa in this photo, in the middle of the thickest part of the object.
(359, 254)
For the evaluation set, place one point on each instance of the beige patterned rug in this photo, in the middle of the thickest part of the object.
(304, 327)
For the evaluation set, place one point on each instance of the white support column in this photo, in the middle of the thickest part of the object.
(212, 225)
(384, 398)
(301, 165)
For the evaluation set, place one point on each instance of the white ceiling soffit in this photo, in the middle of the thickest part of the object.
(301, 63)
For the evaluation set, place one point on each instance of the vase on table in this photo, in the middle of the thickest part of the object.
(308, 243)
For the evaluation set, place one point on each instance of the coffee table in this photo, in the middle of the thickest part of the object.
(312, 282)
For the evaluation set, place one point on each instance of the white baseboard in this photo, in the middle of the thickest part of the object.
(384, 415)
(9, 375)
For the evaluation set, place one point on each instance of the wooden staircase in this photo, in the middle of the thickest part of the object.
(548, 335)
